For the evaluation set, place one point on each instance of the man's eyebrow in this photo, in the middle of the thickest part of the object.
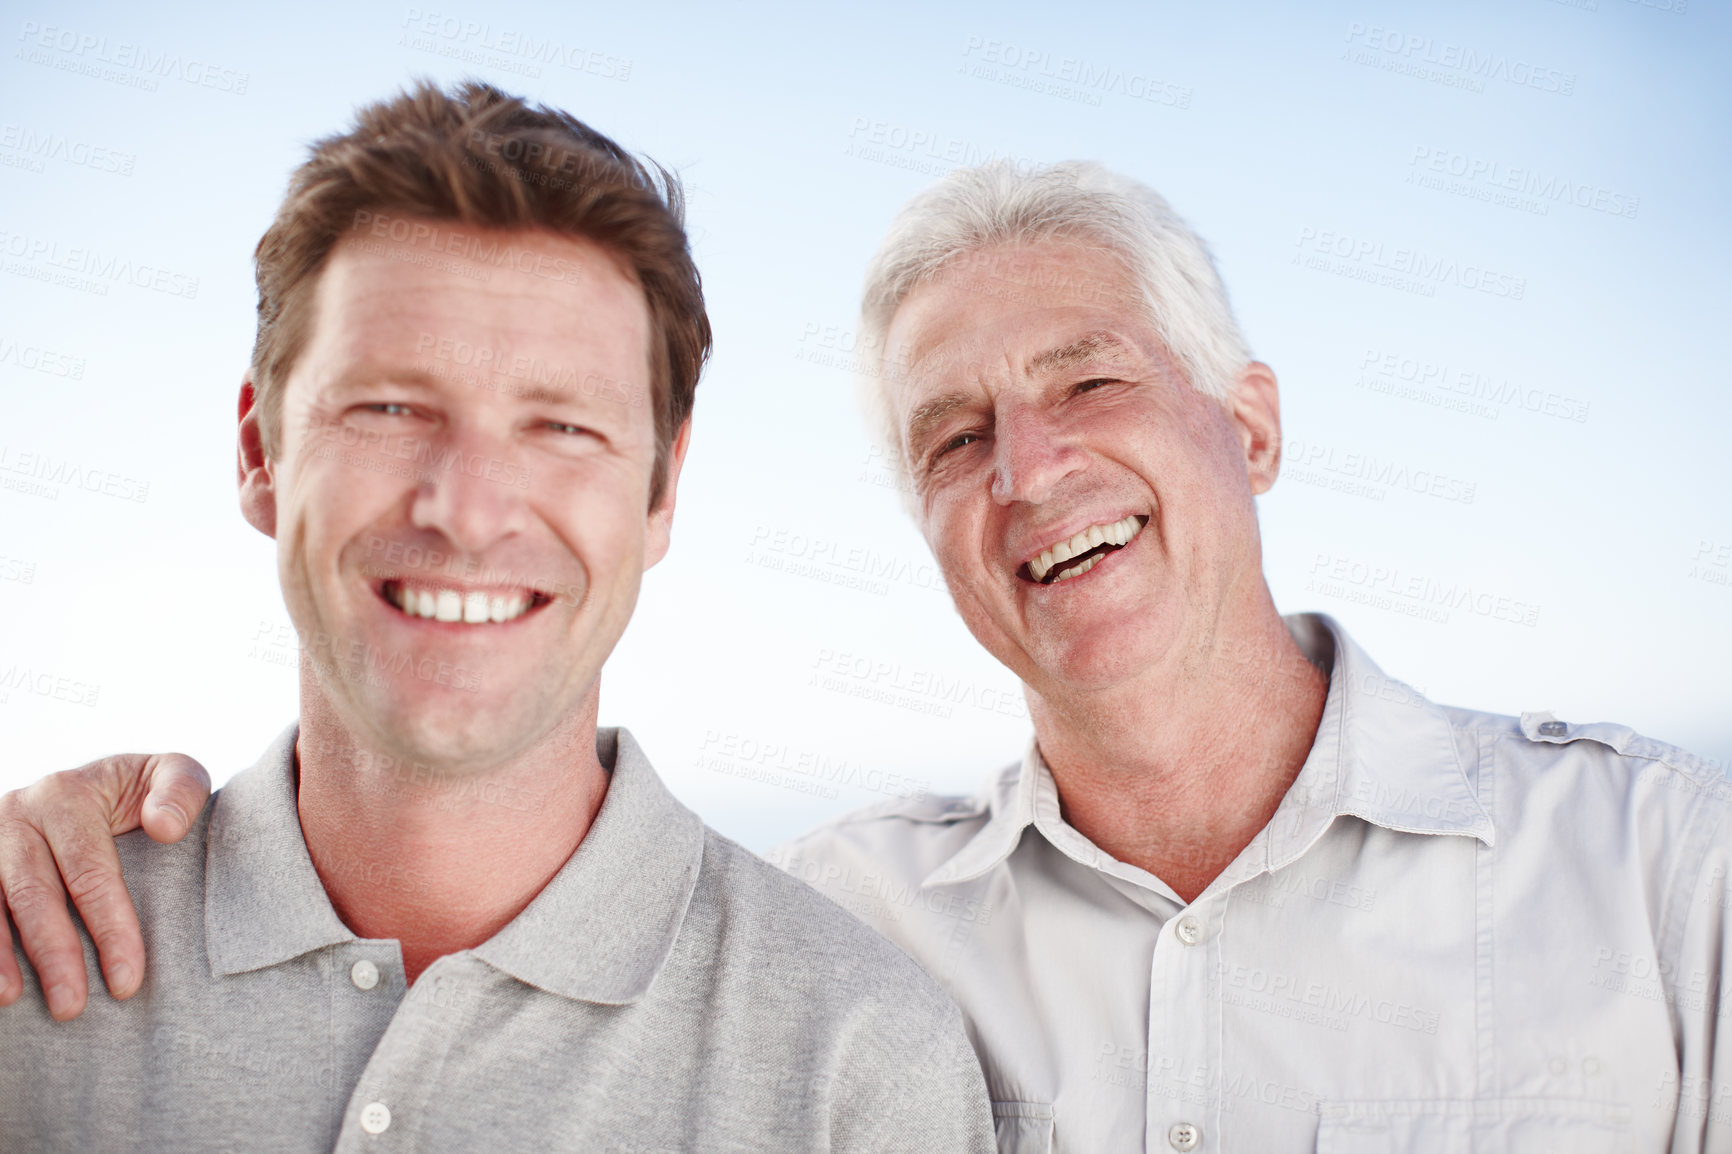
(1087, 348)
(364, 373)
(546, 394)
(922, 419)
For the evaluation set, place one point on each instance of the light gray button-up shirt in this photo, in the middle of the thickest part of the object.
(1459, 931)
(666, 991)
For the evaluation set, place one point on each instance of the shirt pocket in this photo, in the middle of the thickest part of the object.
(1482, 1126)
(1022, 1127)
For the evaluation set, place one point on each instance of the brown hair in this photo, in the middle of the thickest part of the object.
(481, 157)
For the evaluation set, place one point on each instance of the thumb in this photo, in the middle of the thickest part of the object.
(176, 789)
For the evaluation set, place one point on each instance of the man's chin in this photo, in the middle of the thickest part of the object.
(1098, 658)
(439, 729)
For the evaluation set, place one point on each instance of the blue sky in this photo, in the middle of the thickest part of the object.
(1481, 244)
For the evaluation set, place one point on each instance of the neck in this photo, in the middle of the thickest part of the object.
(440, 861)
(1176, 771)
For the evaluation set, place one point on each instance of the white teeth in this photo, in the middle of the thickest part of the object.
(1075, 570)
(450, 605)
(1117, 533)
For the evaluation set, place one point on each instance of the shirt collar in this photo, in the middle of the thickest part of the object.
(263, 901)
(1382, 753)
(600, 931)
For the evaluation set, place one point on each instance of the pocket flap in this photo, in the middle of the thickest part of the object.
(1497, 1124)
(1023, 1127)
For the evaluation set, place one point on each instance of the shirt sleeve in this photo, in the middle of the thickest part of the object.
(912, 1090)
(1700, 982)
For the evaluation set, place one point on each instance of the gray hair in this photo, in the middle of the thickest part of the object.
(1003, 203)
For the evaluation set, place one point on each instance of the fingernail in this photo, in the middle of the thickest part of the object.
(174, 811)
(120, 976)
(59, 999)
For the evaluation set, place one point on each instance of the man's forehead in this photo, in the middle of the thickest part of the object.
(961, 366)
(548, 291)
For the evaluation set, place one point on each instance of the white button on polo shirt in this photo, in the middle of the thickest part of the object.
(364, 974)
(375, 1117)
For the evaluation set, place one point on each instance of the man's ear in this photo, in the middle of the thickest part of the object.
(1256, 409)
(661, 518)
(254, 471)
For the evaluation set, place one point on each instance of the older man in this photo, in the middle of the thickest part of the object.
(1243, 892)
(567, 959)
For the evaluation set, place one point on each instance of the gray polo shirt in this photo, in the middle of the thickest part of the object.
(667, 990)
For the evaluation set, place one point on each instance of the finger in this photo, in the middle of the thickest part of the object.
(89, 866)
(30, 885)
(178, 789)
(11, 980)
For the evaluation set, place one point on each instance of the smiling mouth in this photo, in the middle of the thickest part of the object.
(1073, 558)
(460, 606)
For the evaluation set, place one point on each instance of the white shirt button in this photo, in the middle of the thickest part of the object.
(365, 975)
(1184, 1136)
(1190, 931)
(376, 1118)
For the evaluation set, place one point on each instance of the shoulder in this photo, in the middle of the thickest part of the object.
(1533, 746)
(759, 925)
(1596, 784)
(766, 912)
(166, 885)
(150, 864)
(905, 837)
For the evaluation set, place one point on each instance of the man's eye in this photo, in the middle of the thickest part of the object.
(1094, 383)
(389, 408)
(563, 427)
(957, 442)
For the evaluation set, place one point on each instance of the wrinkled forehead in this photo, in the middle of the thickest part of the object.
(946, 348)
(989, 293)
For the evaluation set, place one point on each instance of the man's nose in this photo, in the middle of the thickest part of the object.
(469, 488)
(1032, 453)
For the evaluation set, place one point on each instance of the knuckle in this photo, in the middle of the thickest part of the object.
(30, 900)
(56, 960)
(87, 881)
